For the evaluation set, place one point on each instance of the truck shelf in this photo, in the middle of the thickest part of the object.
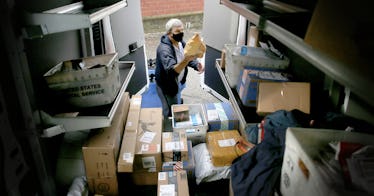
(66, 18)
(86, 118)
(246, 116)
(357, 80)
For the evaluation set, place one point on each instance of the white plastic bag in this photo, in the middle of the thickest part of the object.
(204, 169)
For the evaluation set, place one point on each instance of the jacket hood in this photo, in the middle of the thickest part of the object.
(165, 39)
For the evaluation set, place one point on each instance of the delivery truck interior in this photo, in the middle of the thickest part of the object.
(293, 82)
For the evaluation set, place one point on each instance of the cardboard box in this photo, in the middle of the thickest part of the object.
(273, 96)
(181, 113)
(302, 172)
(148, 156)
(347, 42)
(249, 79)
(127, 152)
(103, 186)
(222, 146)
(134, 113)
(188, 166)
(144, 178)
(100, 151)
(221, 116)
(174, 146)
(172, 183)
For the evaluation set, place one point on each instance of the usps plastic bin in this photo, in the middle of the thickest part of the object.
(239, 56)
(192, 119)
(301, 168)
(86, 82)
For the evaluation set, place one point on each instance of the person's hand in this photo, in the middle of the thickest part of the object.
(200, 68)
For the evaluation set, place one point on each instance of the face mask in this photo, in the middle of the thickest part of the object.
(178, 37)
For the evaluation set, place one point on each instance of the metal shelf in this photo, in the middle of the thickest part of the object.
(242, 122)
(358, 81)
(90, 118)
(66, 18)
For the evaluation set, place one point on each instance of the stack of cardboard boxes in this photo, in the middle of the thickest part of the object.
(140, 152)
(249, 79)
(100, 153)
(148, 160)
(136, 144)
(270, 90)
(146, 150)
(127, 152)
(172, 183)
(187, 165)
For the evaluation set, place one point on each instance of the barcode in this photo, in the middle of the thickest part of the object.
(167, 194)
(162, 176)
(126, 156)
(149, 164)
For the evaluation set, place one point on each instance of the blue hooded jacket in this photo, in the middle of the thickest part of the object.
(166, 59)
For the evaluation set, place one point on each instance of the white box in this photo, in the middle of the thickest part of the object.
(86, 82)
(237, 57)
(301, 170)
(197, 125)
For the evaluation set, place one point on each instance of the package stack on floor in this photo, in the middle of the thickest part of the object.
(148, 157)
(140, 154)
(168, 161)
(100, 153)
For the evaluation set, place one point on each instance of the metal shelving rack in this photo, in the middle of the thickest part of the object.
(358, 81)
(242, 122)
(66, 18)
(96, 117)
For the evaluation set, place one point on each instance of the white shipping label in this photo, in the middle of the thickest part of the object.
(145, 148)
(190, 130)
(221, 112)
(162, 175)
(147, 137)
(127, 157)
(212, 115)
(137, 101)
(226, 143)
(152, 169)
(166, 135)
(149, 162)
(167, 190)
(169, 146)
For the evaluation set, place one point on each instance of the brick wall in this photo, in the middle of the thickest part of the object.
(154, 8)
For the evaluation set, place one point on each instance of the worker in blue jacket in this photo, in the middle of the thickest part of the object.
(171, 65)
